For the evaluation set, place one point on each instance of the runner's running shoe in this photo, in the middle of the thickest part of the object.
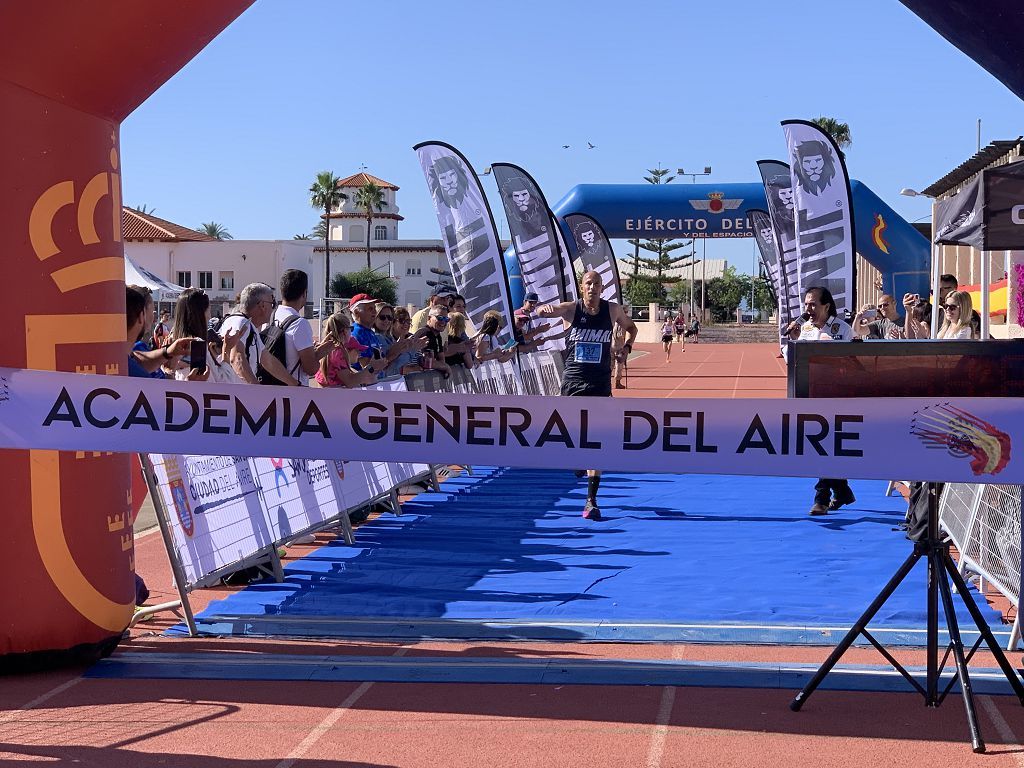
(591, 512)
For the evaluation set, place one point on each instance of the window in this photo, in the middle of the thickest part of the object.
(380, 232)
(412, 267)
(206, 280)
(227, 281)
(184, 279)
(413, 297)
(355, 233)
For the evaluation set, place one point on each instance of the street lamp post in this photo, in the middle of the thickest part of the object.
(704, 270)
(936, 262)
(693, 175)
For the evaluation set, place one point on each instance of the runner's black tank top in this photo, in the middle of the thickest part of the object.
(588, 352)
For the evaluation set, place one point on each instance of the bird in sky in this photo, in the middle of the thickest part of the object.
(590, 146)
(565, 146)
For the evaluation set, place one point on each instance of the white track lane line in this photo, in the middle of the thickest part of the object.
(328, 722)
(13, 713)
(1010, 739)
(668, 700)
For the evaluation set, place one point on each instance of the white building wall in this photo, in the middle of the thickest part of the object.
(263, 261)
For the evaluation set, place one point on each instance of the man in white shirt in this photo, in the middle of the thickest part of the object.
(302, 356)
(255, 306)
(823, 324)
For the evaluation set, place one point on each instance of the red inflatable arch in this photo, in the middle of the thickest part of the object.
(70, 72)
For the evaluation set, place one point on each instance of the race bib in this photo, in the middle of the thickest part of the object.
(587, 352)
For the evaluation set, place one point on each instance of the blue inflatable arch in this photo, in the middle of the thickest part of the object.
(716, 211)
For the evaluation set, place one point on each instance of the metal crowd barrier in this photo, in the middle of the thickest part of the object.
(984, 522)
(539, 373)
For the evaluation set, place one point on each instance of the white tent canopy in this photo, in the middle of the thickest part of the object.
(162, 289)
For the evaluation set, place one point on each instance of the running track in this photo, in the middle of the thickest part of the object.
(63, 718)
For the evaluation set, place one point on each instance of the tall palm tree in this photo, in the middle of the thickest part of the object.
(839, 131)
(324, 195)
(320, 230)
(215, 230)
(369, 197)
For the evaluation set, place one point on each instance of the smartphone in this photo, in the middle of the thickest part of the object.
(870, 314)
(197, 355)
(510, 344)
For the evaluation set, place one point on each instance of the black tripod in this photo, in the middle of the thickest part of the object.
(936, 549)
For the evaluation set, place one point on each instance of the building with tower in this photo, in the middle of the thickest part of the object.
(222, 268)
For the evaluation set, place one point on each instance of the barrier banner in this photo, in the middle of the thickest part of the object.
(595, 252)
(869, 438)
(778, 190)
(215, 514)
(470, 237)
(224, 509)
(826, 251)
(298, 493)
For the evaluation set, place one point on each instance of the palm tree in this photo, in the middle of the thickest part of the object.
(215, 230)
(320, 230)
(324, 195)
(301, 237)
(145, 209)
(369, 197)
(840, 132)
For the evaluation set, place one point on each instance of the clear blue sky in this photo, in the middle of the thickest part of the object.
(292, 88)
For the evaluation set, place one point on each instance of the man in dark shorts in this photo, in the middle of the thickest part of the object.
(588, 354)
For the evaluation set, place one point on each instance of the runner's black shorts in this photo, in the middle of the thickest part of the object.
(586, 389)
(666, 339)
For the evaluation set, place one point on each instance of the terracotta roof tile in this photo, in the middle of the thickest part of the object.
(359, 179)
(146, 226)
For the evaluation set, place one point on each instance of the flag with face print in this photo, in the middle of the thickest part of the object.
(826, 251)
(469, 235)
(778, 190)
(594, 253)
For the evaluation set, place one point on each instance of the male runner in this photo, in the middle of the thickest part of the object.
(588, 354)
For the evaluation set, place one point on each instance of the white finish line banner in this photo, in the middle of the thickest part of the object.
(871, 438)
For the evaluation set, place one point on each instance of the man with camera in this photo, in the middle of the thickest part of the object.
(881, 322)
(820, 322)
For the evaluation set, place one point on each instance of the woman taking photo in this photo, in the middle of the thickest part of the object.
(191, 319)
(957, 310)
(487, 347)
(457, 333)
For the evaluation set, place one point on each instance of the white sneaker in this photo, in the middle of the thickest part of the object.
(308, 538)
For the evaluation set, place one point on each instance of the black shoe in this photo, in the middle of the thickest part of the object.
(836, 503)
(591, 512)
(820, 509)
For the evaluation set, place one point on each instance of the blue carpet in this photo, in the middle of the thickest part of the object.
(693, 558)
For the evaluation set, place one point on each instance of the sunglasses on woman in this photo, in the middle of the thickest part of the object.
(952, 306)
(386, 318)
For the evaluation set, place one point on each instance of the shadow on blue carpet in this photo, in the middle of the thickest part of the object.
(682, 558)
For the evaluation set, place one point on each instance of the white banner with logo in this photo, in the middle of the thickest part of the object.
(224, 509)
(912, 438)
(826, 252)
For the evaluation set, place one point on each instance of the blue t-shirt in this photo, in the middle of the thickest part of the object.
(134, 369)
(368, 338)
